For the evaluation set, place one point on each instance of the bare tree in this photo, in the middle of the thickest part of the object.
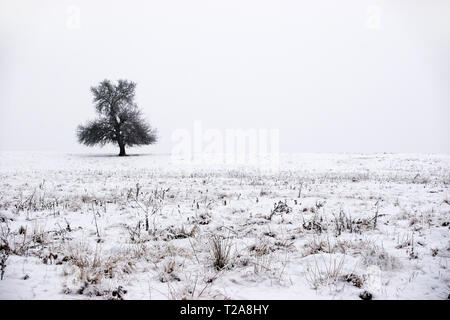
(119, 120)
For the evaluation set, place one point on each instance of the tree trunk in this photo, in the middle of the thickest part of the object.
(122, 150)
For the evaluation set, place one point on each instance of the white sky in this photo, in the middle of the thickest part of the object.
(317, 70)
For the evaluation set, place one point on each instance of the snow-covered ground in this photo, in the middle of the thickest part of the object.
(326, 226)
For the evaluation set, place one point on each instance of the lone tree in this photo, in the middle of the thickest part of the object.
(120, 120)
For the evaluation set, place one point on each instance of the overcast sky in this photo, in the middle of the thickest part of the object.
(333, 76)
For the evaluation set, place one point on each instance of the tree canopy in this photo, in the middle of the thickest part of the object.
(120, 121)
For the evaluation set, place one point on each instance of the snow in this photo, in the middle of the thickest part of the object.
(73, 228)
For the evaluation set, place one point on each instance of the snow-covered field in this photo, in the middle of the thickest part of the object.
(326, 226)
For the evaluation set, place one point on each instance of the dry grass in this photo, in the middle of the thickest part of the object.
(220, 248)
(325, 271)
